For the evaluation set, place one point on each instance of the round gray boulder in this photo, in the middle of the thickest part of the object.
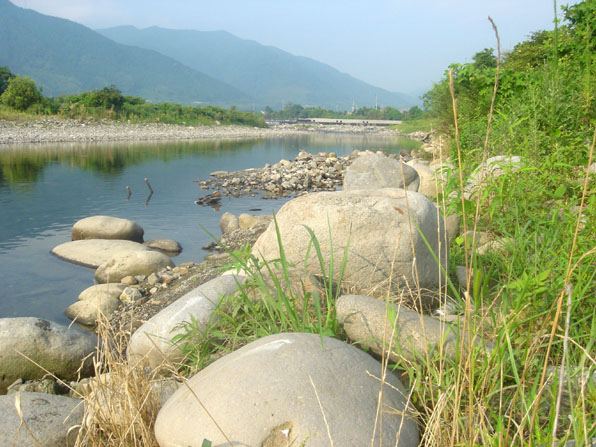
(91, 253)
(58, 349)
(289, 386)
(166, 246)
(107, 227)
(376, 171)
(377, 229)
(132, 263)
(101, 299)
(51, 420)
(365, 321)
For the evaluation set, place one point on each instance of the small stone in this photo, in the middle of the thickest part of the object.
(153, 290)
(129, 280)
(153, 279)
(130, 295)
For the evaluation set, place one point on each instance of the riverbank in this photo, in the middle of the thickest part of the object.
(55, 130)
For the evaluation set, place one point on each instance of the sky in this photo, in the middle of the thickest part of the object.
(400, 45)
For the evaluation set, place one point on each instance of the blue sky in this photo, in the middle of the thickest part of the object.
(400, 45)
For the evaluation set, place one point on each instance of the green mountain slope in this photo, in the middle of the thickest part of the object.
(272, 76)
(66, 58)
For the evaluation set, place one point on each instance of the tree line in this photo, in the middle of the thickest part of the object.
(292, 111)
(22, 94)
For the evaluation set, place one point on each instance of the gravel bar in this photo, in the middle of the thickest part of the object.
(55, 130)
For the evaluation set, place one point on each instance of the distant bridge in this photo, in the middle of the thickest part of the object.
(349, 122)
(346, 122)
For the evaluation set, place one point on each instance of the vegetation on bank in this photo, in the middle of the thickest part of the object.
(534, 300)
(294, 111)
(21, 94)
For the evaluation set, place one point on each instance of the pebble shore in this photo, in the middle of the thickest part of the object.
(56, 130)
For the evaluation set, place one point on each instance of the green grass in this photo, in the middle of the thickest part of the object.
(415, 125)
(276, 297)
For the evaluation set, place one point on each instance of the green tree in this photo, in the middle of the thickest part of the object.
(531, 53)
(108, 98)
(5, 76)
(485, 59)
(21, 93)
(415, 112)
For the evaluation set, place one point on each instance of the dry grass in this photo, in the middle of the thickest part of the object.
(121, 401)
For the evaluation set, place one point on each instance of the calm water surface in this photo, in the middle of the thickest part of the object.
(44, 190)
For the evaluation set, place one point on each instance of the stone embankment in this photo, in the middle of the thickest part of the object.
(55, 130)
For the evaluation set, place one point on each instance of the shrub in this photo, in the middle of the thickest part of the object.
(21, 93)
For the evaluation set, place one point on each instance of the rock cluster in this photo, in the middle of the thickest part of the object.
(306, 173)
(294, 387)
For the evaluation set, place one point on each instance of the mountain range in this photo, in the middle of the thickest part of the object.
(181, 66)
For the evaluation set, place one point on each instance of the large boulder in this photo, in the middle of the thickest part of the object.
(101, 299)
(367, 321)
(58, 349)
(47, 420)
(91, 253)
(107, 227)
(296, 389)
(151, 343)
(376, 171)
(131, 263)
(378, 229)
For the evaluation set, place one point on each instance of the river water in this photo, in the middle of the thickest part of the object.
(45, 189)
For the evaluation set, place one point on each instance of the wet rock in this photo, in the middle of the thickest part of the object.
(166, 246)
(59, 349)
(107, 227)
(286, 382)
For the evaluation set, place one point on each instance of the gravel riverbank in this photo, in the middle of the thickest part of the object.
(54, 130)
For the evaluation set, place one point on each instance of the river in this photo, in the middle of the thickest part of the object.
(45, 189)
